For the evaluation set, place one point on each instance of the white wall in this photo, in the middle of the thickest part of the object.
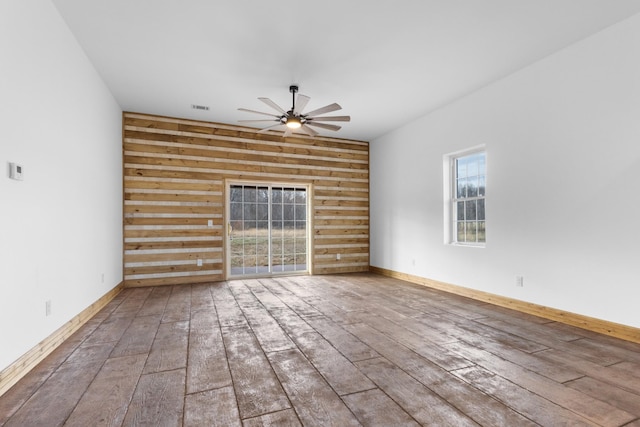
(60, 228)
(563, 153)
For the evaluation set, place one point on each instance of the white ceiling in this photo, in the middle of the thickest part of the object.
(385, 62)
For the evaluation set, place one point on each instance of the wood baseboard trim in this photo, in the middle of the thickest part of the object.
(18, 369)
(605, 327)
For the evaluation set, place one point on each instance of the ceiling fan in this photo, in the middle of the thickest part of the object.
(294, 120)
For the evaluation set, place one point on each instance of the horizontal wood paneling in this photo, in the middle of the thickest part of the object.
(174, 178)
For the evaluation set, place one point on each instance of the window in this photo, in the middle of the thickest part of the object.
(468, 190)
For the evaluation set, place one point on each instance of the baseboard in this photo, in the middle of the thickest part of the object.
(605, 327)
(18, 369)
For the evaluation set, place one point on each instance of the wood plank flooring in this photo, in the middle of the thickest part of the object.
(342, 350)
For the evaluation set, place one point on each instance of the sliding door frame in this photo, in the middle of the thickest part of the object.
(228, 183)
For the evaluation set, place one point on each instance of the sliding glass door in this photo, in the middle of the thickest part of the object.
(267, 230)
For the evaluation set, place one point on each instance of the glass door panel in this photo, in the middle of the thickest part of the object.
(289, 229)
(268, 230)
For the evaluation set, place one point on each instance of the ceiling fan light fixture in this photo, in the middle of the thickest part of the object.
(293, 122)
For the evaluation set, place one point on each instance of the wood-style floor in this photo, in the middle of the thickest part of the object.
(325, 351)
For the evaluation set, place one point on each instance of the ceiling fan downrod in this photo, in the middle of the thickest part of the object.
(293, 89)
(293, 120)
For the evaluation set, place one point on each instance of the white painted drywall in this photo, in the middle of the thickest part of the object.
(60, 228)
(563, 153)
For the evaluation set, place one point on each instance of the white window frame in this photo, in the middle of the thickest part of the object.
(451, 199)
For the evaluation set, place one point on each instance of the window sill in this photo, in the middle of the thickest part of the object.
(468, 245)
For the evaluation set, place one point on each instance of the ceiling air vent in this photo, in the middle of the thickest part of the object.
(200, 107)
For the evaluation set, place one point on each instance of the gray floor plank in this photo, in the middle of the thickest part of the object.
(169, 349)
(313, 400)
(158, 400)
(256, 386)
(207, 366)
(212, 408)
(373, 408)
(106, 400)
(419, 401)
(286, 418)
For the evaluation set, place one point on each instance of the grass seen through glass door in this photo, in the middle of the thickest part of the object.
(287, 246)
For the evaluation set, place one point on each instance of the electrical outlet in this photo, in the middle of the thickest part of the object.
(210, 223)
(338, 257)
(520, 281)
(199, 262)
(47, 308)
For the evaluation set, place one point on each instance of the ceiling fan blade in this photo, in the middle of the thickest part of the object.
(257, 112)
(273, 105)
(308, 130)
(258, 121)
(301, 102)
(330, 119)
(268, 128)
(323, 125)
(326, 109)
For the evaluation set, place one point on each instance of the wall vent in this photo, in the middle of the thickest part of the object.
(200, 107)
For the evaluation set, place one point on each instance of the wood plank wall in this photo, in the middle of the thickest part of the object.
(174, 182)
